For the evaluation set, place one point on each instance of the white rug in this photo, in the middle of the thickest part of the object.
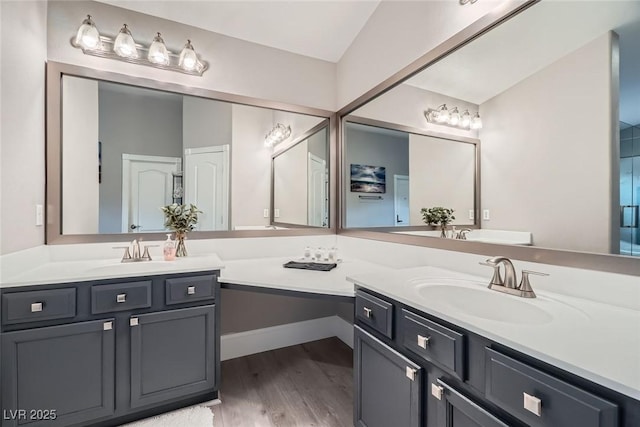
(193, 416)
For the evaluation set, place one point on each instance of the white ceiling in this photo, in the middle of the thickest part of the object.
(528, 43)
(319, 29)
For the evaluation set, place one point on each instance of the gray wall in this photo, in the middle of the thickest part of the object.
(374, 148)
(142, 124)
(205, 122)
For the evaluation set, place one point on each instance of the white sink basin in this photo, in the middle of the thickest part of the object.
(485, 304)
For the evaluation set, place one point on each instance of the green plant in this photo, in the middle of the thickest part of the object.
(180, 218)
(437, 216)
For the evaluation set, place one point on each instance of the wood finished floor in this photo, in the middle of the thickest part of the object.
(307, 385)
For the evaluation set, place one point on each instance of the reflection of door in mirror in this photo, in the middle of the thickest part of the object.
(317, 192)
(206, 178)
(401, 199)
(147, 183)
(629, 189)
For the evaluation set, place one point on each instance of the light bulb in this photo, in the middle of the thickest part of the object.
(476, 123)
(443, 114)
(124, 45)
(465, 120)
(188, 58)
(158, 53)
(88, 35)
(454, 117)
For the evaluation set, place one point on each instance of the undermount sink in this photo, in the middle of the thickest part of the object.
(483, 303)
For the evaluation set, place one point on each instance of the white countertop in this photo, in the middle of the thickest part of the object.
(269, 273)
(596, 341)
(80, 271)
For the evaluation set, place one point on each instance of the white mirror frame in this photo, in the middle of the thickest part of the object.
(53, 231)
(590, 261)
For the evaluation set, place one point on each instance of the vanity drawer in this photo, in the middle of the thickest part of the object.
(120, 297)
(542, 400)
(188, 289)
(434, 343)
(374, 312)
(32, 306)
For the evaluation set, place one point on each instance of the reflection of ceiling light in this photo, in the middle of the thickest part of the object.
(442, 116)
(124, 48)
(278, 134)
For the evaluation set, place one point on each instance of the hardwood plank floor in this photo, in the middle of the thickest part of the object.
(307, 385)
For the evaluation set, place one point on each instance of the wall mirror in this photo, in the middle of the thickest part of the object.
(559, 110)
(119, 149)
(301, 181)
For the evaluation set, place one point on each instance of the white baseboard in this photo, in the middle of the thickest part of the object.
(259, 340)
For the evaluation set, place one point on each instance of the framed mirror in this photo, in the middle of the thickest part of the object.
(120, 148)
(556, 114)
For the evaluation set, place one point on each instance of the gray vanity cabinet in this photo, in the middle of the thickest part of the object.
(388, 385)
(172, 354)
(59, 375)
(456, 410)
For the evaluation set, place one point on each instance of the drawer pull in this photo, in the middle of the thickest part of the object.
(532, 404)
(423, 341)
(437, 391)
(36, 307)
(368, 313)
(120, 298)
(133, 321)
(411, 373)
(191, 290)
(107, 326)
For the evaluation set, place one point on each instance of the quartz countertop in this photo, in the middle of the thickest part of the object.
(596, 341)
(80, 271)
(269, 273)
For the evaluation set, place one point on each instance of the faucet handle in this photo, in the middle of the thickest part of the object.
(525, 285)
(497, 277)
(127, 254)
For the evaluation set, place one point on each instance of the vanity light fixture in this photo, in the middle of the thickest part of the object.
(442, 116)
(276, 135)
(124, 48)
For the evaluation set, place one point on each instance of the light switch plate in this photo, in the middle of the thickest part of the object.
(39, 215)
(486, 215)
(265, 213)
(471, 215)
(276, 213)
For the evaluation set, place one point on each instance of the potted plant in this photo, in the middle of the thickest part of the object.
(438, 216)
(181, 219)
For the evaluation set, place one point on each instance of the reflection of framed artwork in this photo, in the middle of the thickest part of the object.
(368, 179)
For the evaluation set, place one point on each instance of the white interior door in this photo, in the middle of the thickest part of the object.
(401, 199)
(206, 185)
(146, 187)
(317, 192)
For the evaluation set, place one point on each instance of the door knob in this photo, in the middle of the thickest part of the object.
(133, 226)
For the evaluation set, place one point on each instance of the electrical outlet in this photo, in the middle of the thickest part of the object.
(265, 213)
(486, 215)
(276, 213)
(39, 215)
(471, 214)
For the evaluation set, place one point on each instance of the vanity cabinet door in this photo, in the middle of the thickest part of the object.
(58, 376)
(388, 386)
(456, 410)
(172, 354)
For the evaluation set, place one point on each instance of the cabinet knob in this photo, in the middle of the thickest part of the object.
(532, 404)
(368, 313)
(36, 307)
(423, 341)
(437, 391)
(191, 290)
(120, 298)
(411, 373)
(133, 321)
(107, 326)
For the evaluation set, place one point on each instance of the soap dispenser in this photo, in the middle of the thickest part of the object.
(169, 249)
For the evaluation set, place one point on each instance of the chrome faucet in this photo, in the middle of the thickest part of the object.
(508, 285)
(462, 234)
(135, 247)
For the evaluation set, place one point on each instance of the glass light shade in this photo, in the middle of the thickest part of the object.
(443, 114)
(465, 120)
(158, 53)
(189, 59)
(88, 35)
(278, 134)
(124, 45)
(454, 117)
(476, 123)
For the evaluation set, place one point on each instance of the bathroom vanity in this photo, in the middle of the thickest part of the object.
(414, 362)
(104, 352)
